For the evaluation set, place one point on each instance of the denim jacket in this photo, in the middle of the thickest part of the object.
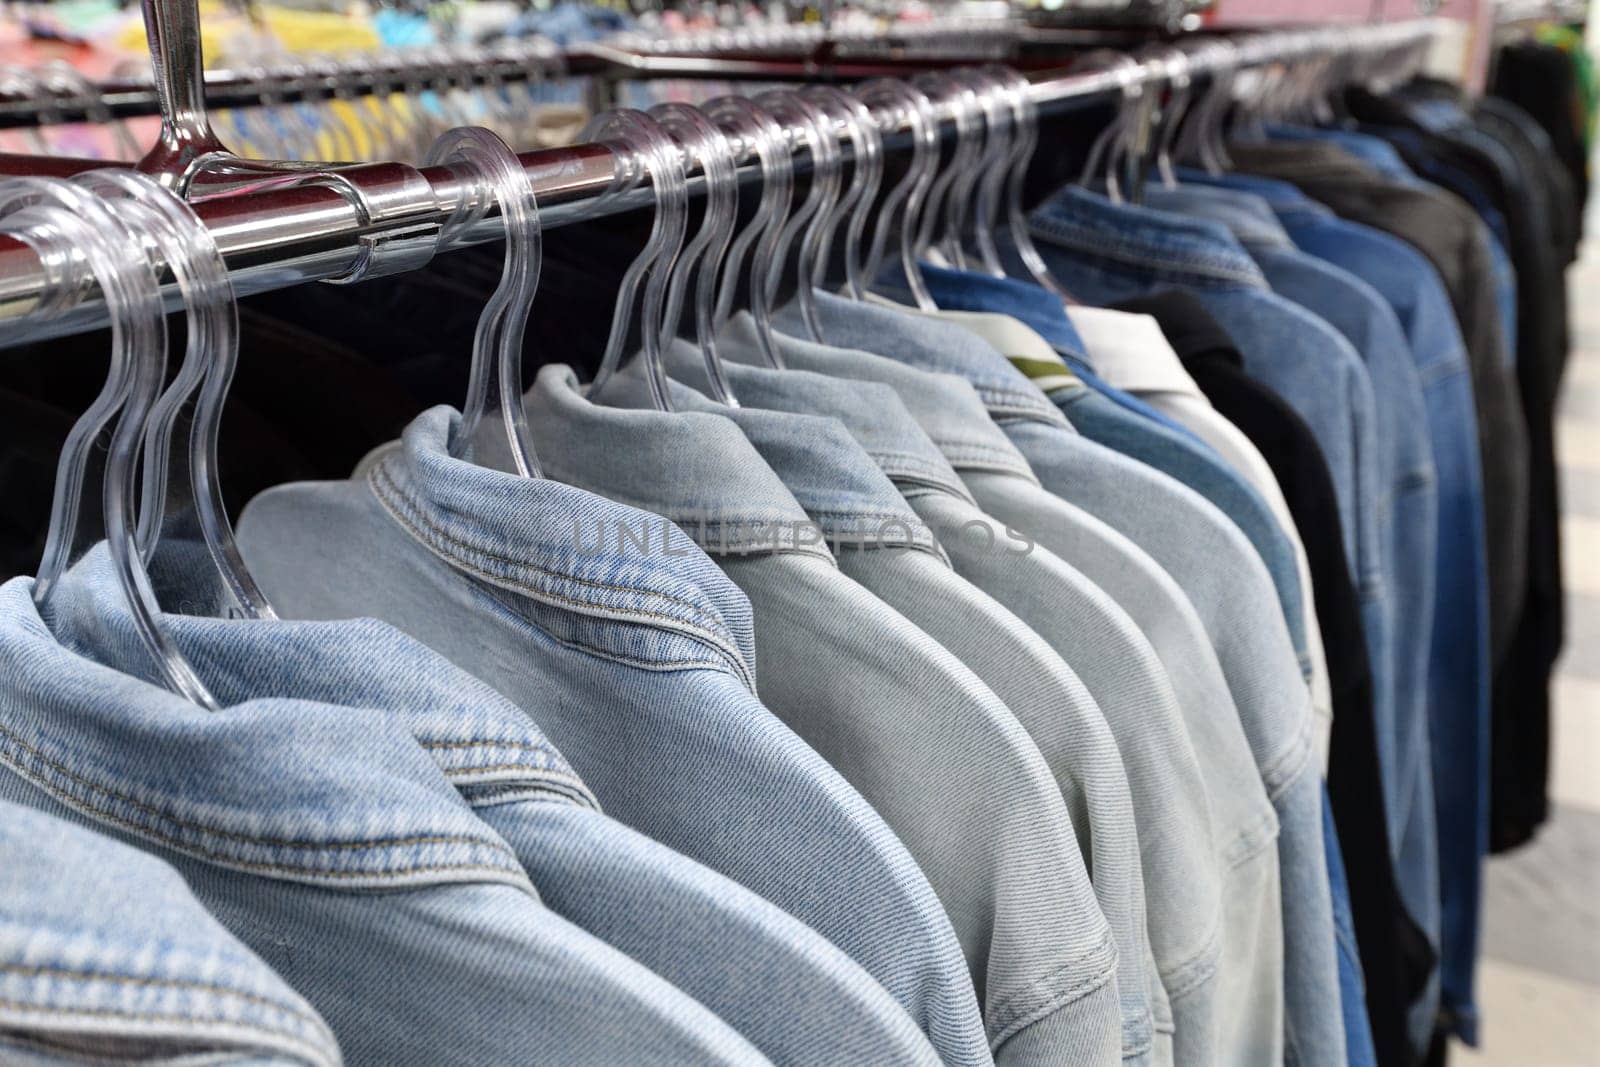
(325, 838)
(928, 744)
(1195, 939)
(1228, 586)
(632, 653)
(104, 948)
(835, 480)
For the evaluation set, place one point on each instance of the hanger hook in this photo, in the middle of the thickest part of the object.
(903, 102)
(698, 135)
(643, 150)
(866, 177)
(495, 381)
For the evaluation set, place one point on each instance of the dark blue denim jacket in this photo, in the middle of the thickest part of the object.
(1459, 658)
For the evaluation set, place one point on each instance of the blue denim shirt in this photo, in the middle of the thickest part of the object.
(1224, 578)
(326, 838)
(935, 751)
(1458, 666)
(633, 653)
(105, 947)
(1135, 429)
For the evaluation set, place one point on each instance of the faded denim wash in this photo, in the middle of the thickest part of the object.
(1227, 584)
(325, 838)
(1232, 991)
(629, 650)
(1133, 428)
(1458, 667)
(846, 488)
(927, 743)
(795, 996)
(104, 951)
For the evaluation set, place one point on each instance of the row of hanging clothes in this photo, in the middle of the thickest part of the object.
(1035, 583)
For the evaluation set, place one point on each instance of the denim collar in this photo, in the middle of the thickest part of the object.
(693, 468)
(300, 782)
(872, 413)
(1131, 353)
(947, 407)
(851, 501)
(1183, 249)
(1026, 350)
(929, 344)
(559, 545)
(1247, 217)
(1040, 310)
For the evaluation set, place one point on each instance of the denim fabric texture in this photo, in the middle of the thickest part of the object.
(1133, 428)
(326, 838)
(1225, 580)
(629, 649)
(759, 969)
(104, 951)
(779, 414)
(1132, 351)
(933, 749)
(1139, 705)
(1408, 506)
(1458, 667)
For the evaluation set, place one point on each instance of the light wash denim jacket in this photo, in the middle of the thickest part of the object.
(1215, 954)
(745, 959)
(1228, 586)
(935, 751)
(104, 951)
(325, 838)
(631, 651)
(828, 467)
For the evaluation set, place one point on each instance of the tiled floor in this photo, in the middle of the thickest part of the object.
(1539, 982)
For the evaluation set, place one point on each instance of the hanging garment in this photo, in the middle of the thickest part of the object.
(105, 952)
(641, 674)
(1454, 240)
(738, 955)
(1036, 336)
(1079, 622)
(1395, 957)
(322, 829)
(1257, 657)
(902, 558)
(930, 746)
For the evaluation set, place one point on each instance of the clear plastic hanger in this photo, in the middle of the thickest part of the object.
(642, 149)
(813, 126)
(943, 208)
(494, 384)
(739, 117)
(183, 486)
(1112, 143)
(63, 221)
(902, 99)
(991, 168)
(1179, 79)
(700, 137)
(865, 178)
(1026, 121)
